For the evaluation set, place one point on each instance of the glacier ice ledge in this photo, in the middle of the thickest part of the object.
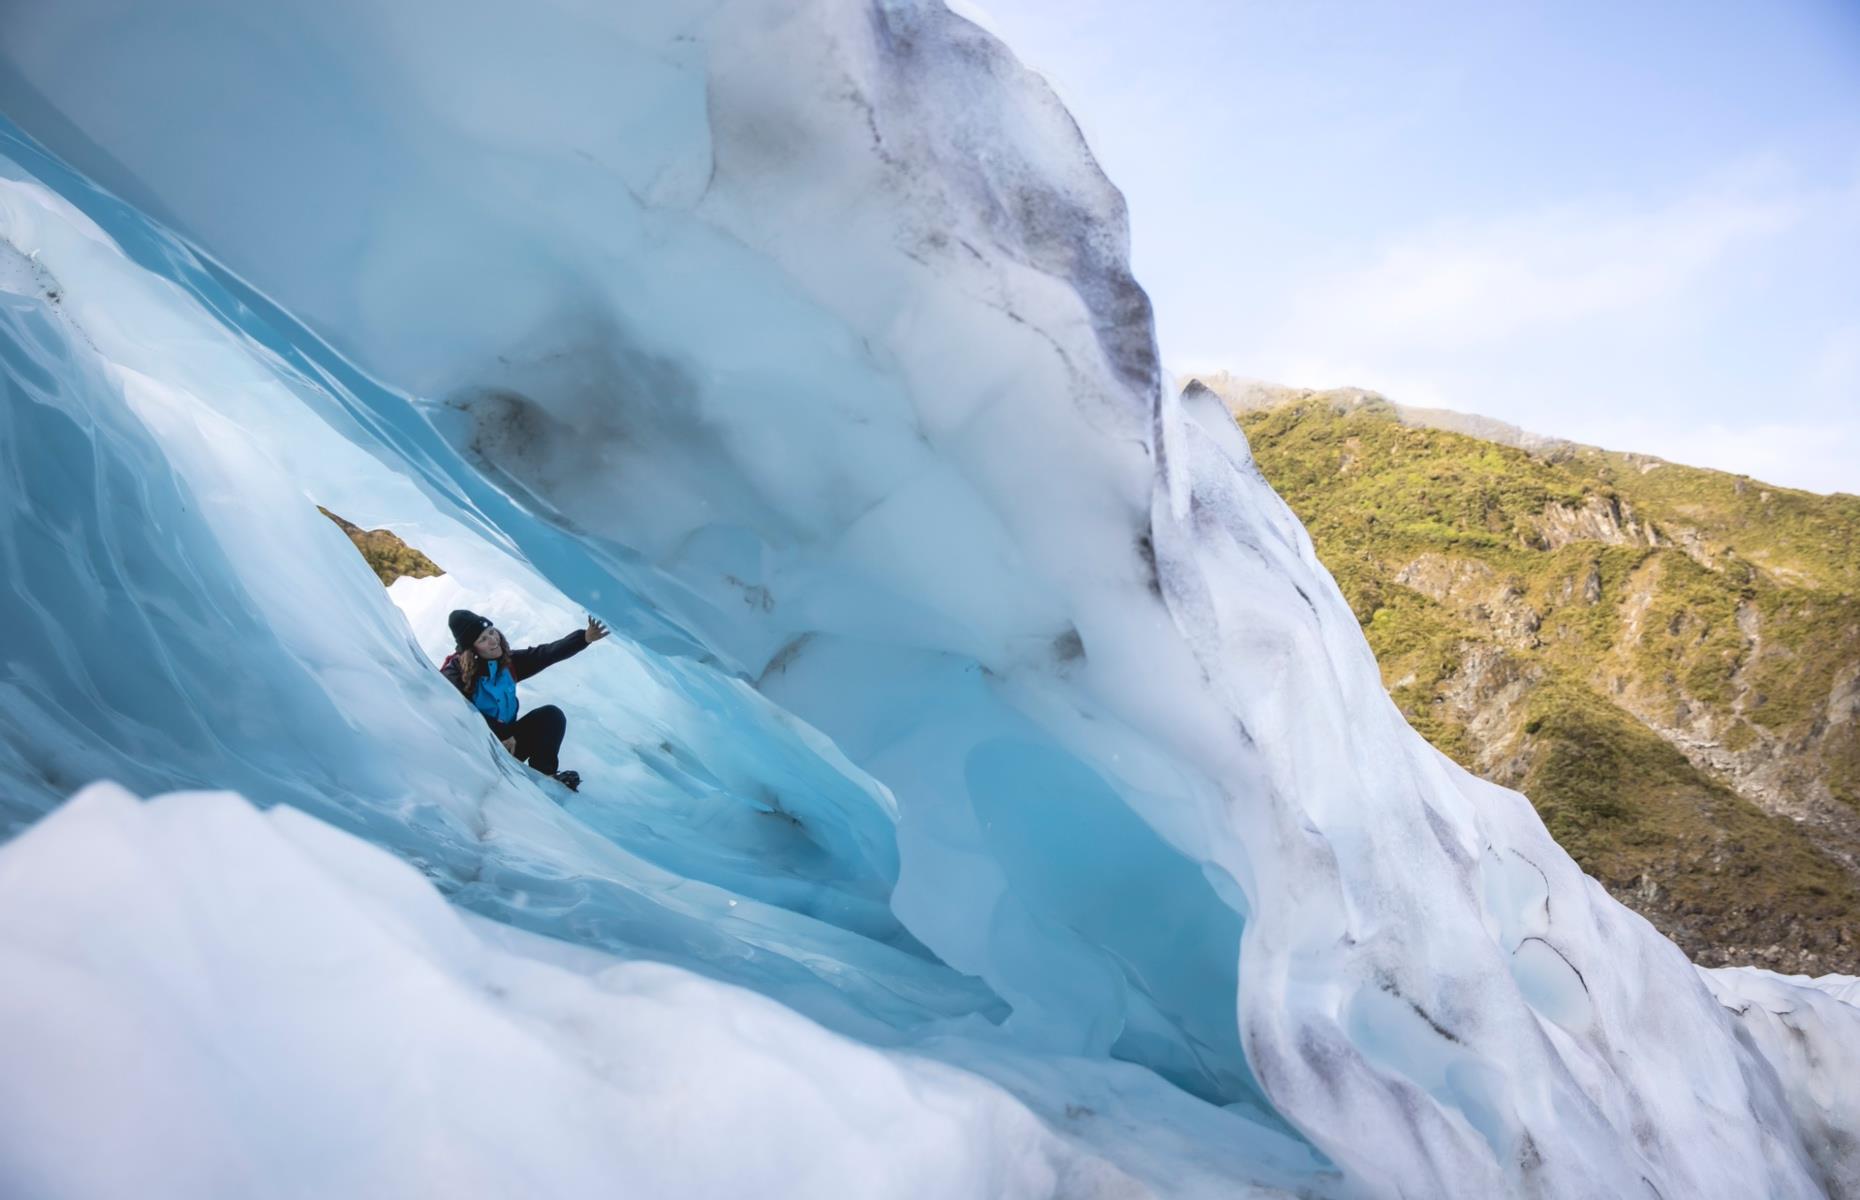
(977, 701)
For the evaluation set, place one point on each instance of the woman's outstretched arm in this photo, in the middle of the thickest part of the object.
(531, 659)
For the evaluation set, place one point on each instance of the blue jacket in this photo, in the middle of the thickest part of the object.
(494, 692)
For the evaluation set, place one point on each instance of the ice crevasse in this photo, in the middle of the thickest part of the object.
(990, 794)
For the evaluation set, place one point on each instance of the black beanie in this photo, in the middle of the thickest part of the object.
(466, 626)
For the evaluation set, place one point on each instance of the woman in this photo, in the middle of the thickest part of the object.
(485, 670)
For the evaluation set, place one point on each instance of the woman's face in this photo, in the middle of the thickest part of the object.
(488, 645)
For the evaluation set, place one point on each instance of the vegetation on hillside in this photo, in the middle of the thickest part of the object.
(387, 556)
(1666, 660)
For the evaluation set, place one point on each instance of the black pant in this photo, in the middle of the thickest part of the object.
(539, 737)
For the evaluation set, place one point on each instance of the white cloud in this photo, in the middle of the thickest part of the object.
(1472, 283)
(1642, 326)
(1815, 456)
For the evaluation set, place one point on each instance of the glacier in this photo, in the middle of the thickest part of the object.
(989, 792)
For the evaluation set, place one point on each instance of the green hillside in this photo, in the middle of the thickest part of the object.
(1666, 660)
(387, 556)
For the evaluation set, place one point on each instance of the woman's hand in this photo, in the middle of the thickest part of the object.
(595, 631)
(510, 744)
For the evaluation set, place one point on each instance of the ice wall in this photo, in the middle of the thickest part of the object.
(180, 612)
(807, 332)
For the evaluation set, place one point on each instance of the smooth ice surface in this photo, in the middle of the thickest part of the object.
(328, 1026)
(160, 540)
(798, 341)
(683, 779)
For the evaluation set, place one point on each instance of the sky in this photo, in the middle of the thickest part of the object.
(1635, 225)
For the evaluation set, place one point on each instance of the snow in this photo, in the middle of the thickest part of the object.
(973, 700)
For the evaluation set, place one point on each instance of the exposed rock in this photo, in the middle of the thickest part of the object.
(1486, 695)
(1601, 519)
(1477, 592)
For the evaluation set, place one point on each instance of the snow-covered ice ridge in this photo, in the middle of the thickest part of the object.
(982, 741)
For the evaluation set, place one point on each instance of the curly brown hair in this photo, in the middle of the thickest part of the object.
(469, 662)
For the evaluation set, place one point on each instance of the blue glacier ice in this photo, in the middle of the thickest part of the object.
(989, 793)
